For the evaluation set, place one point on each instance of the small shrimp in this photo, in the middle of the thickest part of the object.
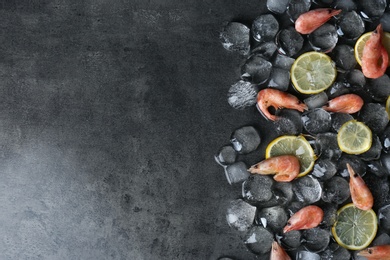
(278, 99)
(285, 167)
(360, 194)
(311, 20)
(348, 103)
(375, 58)
(376, 252)
(305, 218)
(278, 253)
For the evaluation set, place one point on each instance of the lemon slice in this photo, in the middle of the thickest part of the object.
(388, 106)
(313, 72)
(354, 137)
(293, 145)
(359, 45)
(354, 228)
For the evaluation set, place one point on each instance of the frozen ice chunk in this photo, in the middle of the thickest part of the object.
(316, 239)
(291, 239)
(235, 37)
(324, 38)
(375, 150)
(279, 79)
(385, 139)
(382, 239)
(344, 57)
(306, 255)
(384, 218)
(264, 28)
(283, 62)
(297, 7)
(350, 25)
(307, 189)
(376, 167)
(274, 218)
(345, 5)
(240, 215)
(226, 155)
(257, 188)
(374, 115)
(245, 139)
(236, 172)
(316, 100)
(337, 89)
(371, 10)
(265, 49)
(338, 119)
(242, 94)
(354, 161)
(385, 21)
(330, 214)
(379, 88)
(259, 240)
(289, 41)
(256, 69)
(336, 190)
(324, 169)
(277, 6)
(328, 146)
(288, 122)
(316, 121)
(335, 252)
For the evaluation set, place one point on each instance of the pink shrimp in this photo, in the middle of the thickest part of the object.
(305, 218)
(278, 253)
(348, 103)
(278, 99)
(285, 167)
(376, 252)
(311, 20)
(375, 58)
(360, 194)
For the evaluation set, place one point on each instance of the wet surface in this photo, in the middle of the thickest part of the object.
(111, 113)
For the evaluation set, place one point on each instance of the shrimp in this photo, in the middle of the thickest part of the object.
(278, 253)
(285, 167)
(375, 58)
(376, 252)
(278, 99)
(311, 20)
(305, 218)
(348, 103)
(361, 195)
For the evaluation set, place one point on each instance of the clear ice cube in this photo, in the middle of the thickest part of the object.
(316, 100)
(335, 190)
(345, 5)
(384, 218)
(316, 121)
(282, 62)
(379, 88)
(350, 25)
(297, 7)
(242, 94)
(324, 169)
(354, 161)
(307, 189)
(236, 172)
(306, 255)
(374, 115)
(226, 155)
(289, 41)
(338, 119)
(257, 188)
(385, 21)
(265, 49)
(240, 215)
(264, 28)
(277, 6)
(291, 239)
(259, 240)
(256, 69)
(355, 79)
(316, 239)
(288, 122)
(328, 146)
(371, 10)
(324, 38)
(245, 139)
(385, 139)
(344, 57)
(274, 218)
(279, 79)
(335, 252)
(330, 214)
(235, 37)
(375, 150)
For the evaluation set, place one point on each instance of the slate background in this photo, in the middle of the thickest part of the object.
(110, 115)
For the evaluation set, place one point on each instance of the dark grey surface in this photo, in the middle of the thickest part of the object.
(111, 112)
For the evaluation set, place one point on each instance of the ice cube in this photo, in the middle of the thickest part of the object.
(226, 155)
(274, 218)
(297, 7)
(288, 122)
(350, 25)
(343, 56)
(264, 28)
(324, 169)
(245, 139)
(336, 190)
(316, 121)
(265, 49)
(236, 172)
(374, 115)
(306, 255)
(379, 88)
(338, 119)
(316, 100)
(283, 62)
(371, 10)
(235, 37)
(316, 239)
(242, 94)
(259, 240)
(279, 79)
(277, 6)
(289, 41)
(257, 188)
(240, 215)
(256, 69)
(335, 252)
(324, 38)
(307, 189)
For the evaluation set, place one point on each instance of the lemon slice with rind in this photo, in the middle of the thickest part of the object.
(293, 145)
(313, 72)
(354, 228)
(354, 137)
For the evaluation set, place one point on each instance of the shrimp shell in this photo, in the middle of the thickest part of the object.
(348, 103)
(360, 194)
(311, 20)
(305, 218)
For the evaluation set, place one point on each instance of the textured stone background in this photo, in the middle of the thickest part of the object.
(110, 115)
